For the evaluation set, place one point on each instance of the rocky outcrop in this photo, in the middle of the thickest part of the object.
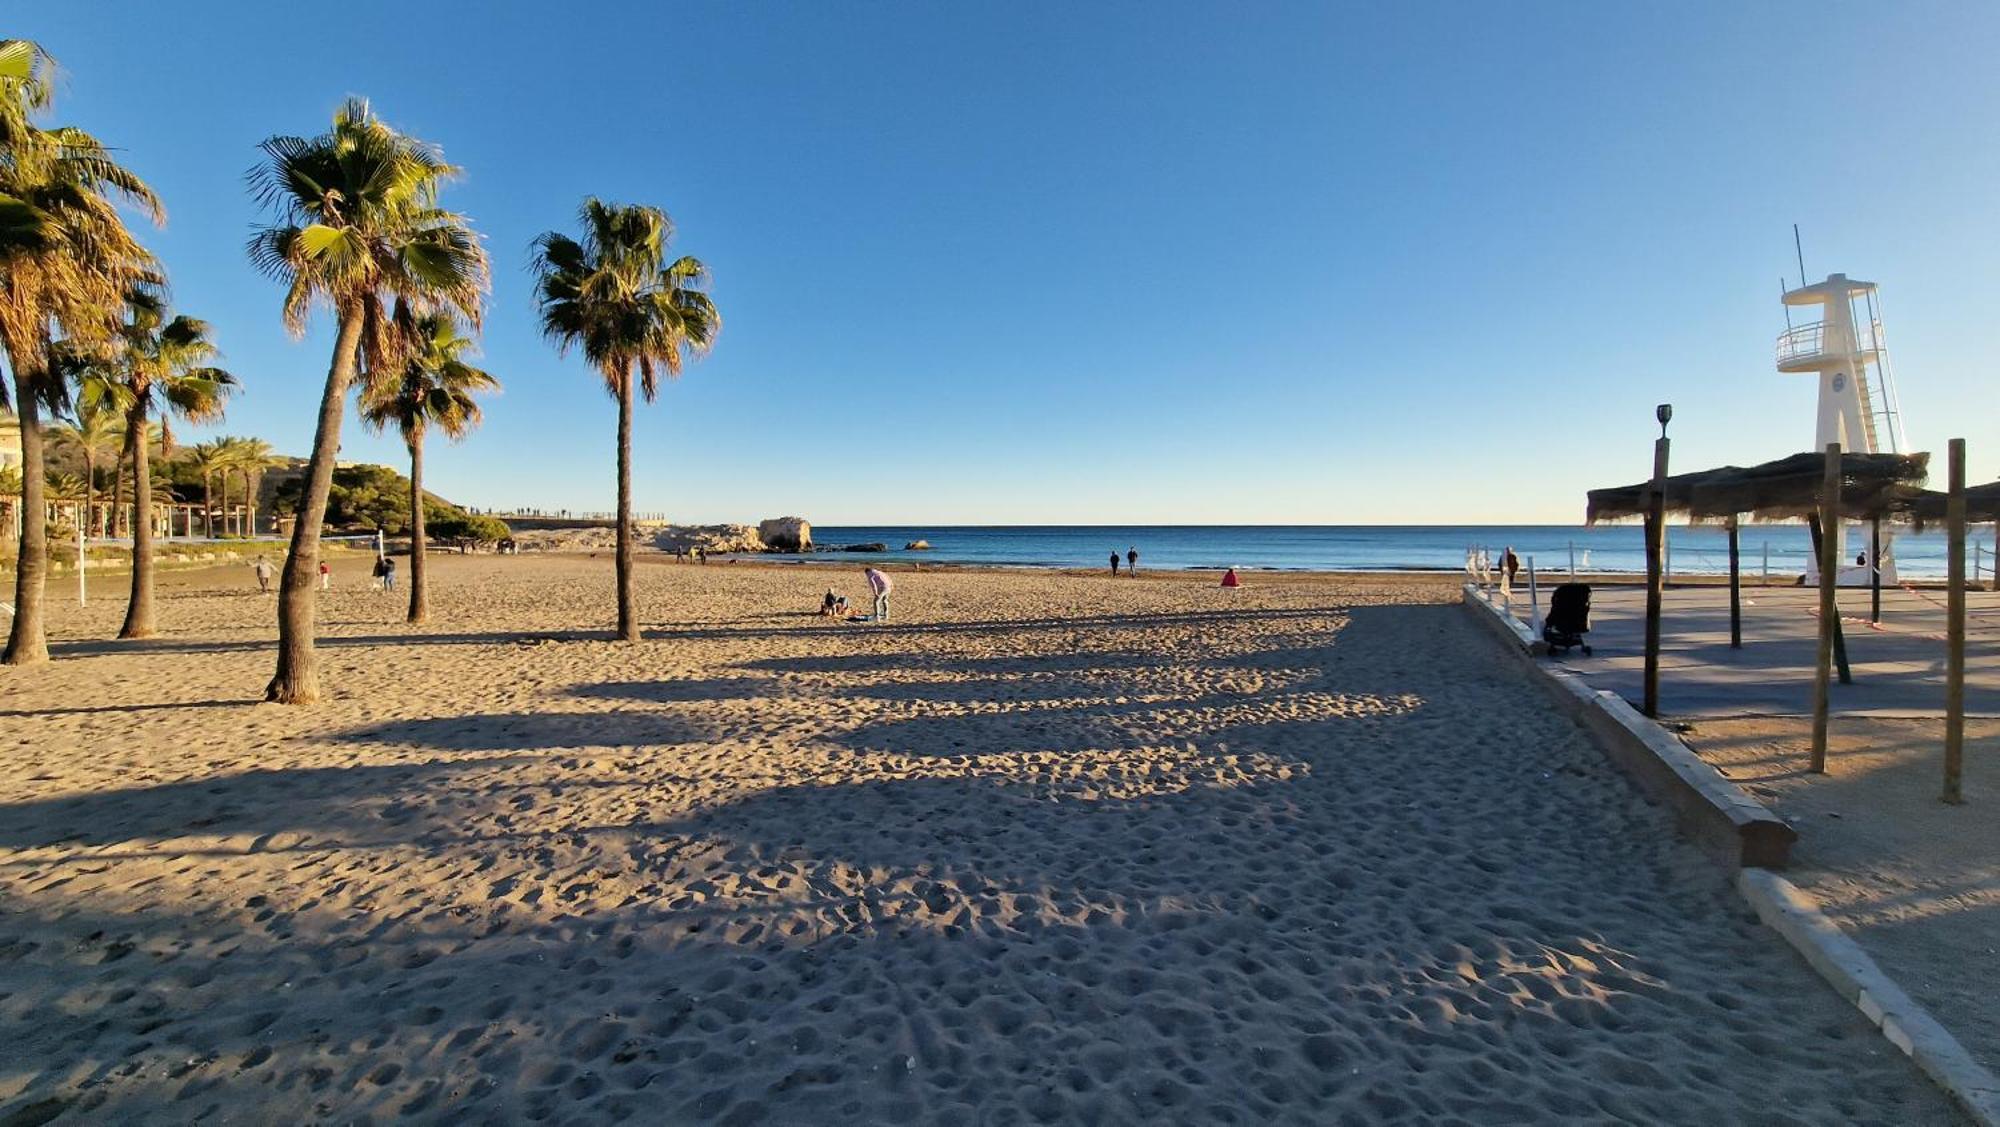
(711, 539)
(677, 539)
(878, 546)
(567, 540)
(917, 546)
(786, 534)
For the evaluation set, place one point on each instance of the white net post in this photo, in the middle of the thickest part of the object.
(1534, 601)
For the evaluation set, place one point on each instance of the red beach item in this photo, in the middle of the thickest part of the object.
(1229, 579)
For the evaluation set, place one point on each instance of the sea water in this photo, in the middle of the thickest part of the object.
(1700, 550)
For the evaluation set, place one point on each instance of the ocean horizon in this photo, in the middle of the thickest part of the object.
(1603, 549)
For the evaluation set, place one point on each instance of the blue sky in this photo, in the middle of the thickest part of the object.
(1055, 263)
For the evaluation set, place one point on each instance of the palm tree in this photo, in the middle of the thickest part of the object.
(93, 436)
(249, 457)
(162, 368)
(434, 391)
(65, 256)
(208, 459)
(614, 295)
(358, 229)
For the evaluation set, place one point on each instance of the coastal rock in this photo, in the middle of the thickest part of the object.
(917, 546)
(711, 539)
(786, 534)
(878, 546)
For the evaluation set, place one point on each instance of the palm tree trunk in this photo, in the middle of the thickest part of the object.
(628, 613)
(297, 678)
(139, 607)
(208, 504)
(118, 494)
(26, 644)
(420, 607)
(89, 496)
(254, 483)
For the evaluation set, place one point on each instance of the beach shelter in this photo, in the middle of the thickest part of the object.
(1982, 503)
(1872, 487)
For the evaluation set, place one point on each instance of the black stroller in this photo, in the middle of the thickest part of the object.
(1569, 618)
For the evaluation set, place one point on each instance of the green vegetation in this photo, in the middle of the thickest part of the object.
(368, 498)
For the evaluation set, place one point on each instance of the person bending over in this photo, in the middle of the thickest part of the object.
(881, 586)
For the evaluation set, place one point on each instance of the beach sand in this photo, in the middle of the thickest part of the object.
(1042, 849)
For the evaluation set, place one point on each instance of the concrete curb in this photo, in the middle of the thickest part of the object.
(1789, 911)
(1715, 813)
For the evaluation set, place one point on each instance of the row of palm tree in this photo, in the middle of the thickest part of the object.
(356, 229)
(97, 436)
(66, 261)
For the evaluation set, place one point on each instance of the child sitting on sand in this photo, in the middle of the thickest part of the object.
(834, 606)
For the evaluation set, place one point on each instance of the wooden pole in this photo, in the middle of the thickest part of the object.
(1656, 540)
(1954, 631)
(1829, 610)
(1822, 544)
(1875, 569)
(1735, 586)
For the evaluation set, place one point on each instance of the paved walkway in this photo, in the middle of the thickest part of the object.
(1898, 667)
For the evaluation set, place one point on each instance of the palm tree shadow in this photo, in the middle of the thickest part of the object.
(677, 691)
(534, 731)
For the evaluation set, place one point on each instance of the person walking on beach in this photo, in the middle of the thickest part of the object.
(263, 569)
(1132, 562)
(880, 584)
(325, 575)
(1114, 565)
(388, 574)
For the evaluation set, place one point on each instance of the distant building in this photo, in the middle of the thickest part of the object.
(10, 442)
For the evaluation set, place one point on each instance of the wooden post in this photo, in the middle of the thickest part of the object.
(1735, 586)
(1875, 569)
(1954, 631)
(1821, 545)
(1829, 610)
(1656, 540)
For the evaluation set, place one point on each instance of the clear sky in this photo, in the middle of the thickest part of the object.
(1123, 263)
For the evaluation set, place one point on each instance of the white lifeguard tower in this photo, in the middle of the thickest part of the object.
(1857, 396)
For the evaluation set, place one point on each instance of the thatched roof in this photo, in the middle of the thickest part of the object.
(1872, 485)
(1982, 503)
(1628, 502)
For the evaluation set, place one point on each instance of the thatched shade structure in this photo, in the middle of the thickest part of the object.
(1628, 502)
(1872, 486)
(1982, 503)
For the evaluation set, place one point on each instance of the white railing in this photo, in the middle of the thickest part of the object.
(1808, 342)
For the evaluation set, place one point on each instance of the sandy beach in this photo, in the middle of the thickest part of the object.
(1040, 849)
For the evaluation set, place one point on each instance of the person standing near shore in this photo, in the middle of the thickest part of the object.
(1132, 562)
(881, 585)
(1114, 565)
(263, 569)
